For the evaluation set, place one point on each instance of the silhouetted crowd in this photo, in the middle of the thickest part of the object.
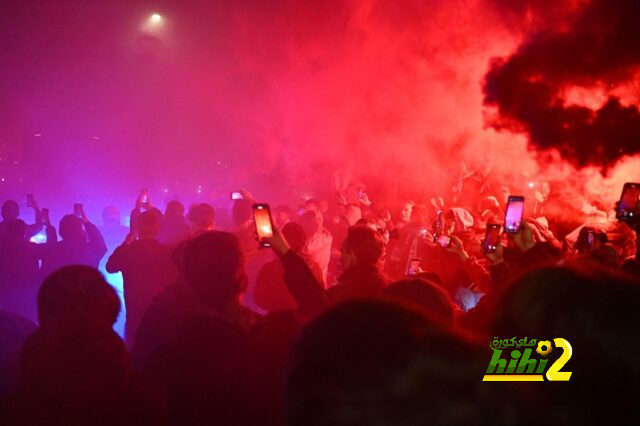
(356, 315)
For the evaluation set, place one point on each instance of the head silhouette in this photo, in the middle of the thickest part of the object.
(362, 246)
(214, 266)
(295, 236)
(377, 362)
(77, 294)
(174, 210)
(148, 224)
(10, 210)
(111, 215)
(71, 228)
(311, 221)
(202, 217)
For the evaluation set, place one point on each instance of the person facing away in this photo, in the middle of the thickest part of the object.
(174, 228)
(82, 244)
(113, 231)
(11, 211)
(360, 257)
(271, 293)
(203, 219)
(19, 270)
(214, 280)
(146, 269)
(74, 368)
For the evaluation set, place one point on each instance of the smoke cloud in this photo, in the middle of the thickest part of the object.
(572, 84)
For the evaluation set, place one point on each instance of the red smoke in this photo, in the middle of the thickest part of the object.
(278, 96)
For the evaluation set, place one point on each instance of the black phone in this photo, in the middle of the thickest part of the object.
(513, 214)
(30, 200)
(414, 266)
(78, 210)
(264, 224)
(443, 240)
(628, 206)
(236, 196)
(491, 238)
(45, 215)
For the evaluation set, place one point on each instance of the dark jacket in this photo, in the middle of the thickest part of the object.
(73, 252)
(146, 270)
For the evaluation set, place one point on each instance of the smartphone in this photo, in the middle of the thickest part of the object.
(144, 196)
(628, 205)
(443, 240)
(78, 210)
(45, 215)
(491, 238)
(439, 221)
(414, 267)
(30, 200)
(264, 224)
(236, 196)
(591, 239)
(513, 215)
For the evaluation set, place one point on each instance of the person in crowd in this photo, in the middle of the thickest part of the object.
(377, 362)
(113, 231)
(214, 278)
(319, 241)
(19, 270)
(146, 269)
(173, 229)
(595, 310)
(405, 214)
(74, 368)
(406, 247)
(14, 330)
(271, 292)
(281, 215)
(202, 218)
(361, 253)
(11, 211)
(426, 294)
(81, 244)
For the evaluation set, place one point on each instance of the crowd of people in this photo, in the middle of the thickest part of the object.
(357, 314)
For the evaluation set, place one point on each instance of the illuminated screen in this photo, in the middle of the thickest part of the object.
(263, 222)
(629, 201)
(513, 217)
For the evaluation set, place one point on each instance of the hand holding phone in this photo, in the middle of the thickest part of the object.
(513, 214)
(628, 208)
(264, 224)
(78, 210)
(143, 199)
(443, 240)
(414, 266)
(45, 216)
(491, 238)
(523, 239)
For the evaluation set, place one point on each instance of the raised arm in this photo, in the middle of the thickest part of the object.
(302, 284)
